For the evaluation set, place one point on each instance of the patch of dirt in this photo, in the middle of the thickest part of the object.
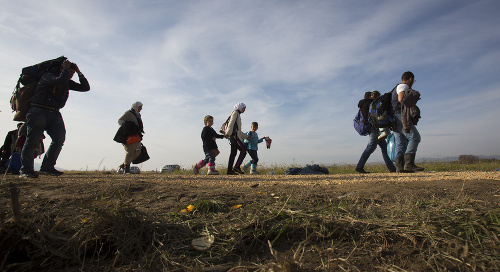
(69, 196)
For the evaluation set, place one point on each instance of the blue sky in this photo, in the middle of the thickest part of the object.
(299, 66)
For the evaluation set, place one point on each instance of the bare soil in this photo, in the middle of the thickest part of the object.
(69, 198)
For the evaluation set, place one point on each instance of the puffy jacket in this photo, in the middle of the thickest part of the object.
(234, 126)
(53, 88)
(410, 113)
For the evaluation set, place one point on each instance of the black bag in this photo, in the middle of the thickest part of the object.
(20, 99)
(142, 157)
(379, 114)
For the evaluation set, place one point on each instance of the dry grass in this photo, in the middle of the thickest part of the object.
(295, 232)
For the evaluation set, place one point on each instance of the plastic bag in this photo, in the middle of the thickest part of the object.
(391, 146)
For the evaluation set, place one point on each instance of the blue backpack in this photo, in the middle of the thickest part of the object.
(361, 125)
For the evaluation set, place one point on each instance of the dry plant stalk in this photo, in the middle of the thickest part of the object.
(14, 198)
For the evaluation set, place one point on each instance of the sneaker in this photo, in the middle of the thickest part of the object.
(28, 175)
(231, 173)
(383, 135)
(254, 172)
(238, 170)
(196, 169)
(362, 171)
(212, 172)
(50, 172)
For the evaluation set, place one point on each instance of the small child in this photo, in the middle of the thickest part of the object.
(208, 136)
(252, 148)
(384, 132)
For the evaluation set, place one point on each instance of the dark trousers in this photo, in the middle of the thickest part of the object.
(236, 145)
(253, 155)
(38, 121)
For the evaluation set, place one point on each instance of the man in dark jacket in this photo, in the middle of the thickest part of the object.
(51, 95)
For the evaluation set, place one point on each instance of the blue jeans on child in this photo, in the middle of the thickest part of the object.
(373, 141)
(405, 142)
(209, 156)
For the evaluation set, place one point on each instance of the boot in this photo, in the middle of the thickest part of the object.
(254, 169)
(246, 166)
(197, 167)
(400, 165)
(211, 169)
(410, 162)
(127, 169)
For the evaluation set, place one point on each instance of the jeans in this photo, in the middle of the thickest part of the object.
(209, 156)
(405, 142)
(370, 148)
(39, 120)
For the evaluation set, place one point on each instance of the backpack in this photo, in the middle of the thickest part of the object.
(361, 125)
(21, 97)
(379, 114)
(223, 128)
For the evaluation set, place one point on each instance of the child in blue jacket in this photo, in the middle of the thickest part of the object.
(252, 149)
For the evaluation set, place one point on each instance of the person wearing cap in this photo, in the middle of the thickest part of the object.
(50, 96)
(131, 127)
(236, 137)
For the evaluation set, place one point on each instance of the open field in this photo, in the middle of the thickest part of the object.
(103, 221)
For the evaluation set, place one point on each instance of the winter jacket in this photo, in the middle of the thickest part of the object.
(53, 88)
(410, 113)
(207, 136)
(364, 106)
(234, 126)
(130, 124)
(253, 141)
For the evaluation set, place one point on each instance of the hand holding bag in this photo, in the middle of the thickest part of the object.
(142, 157)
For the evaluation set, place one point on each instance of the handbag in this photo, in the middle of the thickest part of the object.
(142, 157)
(133, 139)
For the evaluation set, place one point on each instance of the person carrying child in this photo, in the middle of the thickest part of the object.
(208, 136)
(252, 148)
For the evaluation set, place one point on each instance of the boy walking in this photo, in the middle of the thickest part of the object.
(252, 149)
(208, 136)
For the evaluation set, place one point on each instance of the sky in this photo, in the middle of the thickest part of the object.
(300, 67)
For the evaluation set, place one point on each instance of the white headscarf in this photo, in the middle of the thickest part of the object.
(240, 106)
(135, 106)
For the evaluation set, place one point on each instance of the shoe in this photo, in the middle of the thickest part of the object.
(50, 172)
(196, 169)
(246, 167)
(231, 173)
(400, 165)
(238, 170)
(410, 163)
(28, 175)
(212, 172)
(254, 172)
(362, 171)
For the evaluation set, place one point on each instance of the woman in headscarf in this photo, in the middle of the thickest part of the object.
(236, 137)
(131, 131)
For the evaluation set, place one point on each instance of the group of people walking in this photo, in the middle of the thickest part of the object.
(52, 92)
(406, 115)
(131, 126)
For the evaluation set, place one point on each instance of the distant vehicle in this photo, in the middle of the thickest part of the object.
(133, 170)
(170, 167)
